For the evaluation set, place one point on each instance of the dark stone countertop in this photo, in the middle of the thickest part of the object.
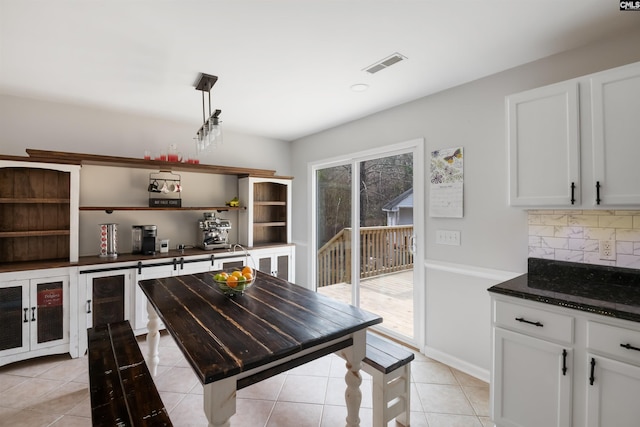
(608, 291)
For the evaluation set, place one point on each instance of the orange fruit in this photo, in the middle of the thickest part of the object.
(247, 276)
(237, 274)
(246, 269)
(232, 281)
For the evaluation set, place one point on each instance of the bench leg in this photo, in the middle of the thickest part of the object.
(220, 401)
(405, 418)
(153, 339)
(379, 402)
(385, 390)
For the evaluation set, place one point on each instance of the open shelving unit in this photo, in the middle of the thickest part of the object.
(34, 214)
(268, 216)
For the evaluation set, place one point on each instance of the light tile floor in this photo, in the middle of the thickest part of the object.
(53, 391)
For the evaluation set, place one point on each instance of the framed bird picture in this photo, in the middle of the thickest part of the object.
(447, 183)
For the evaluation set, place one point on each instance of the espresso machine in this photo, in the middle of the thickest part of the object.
(144, 239)
(213, 232)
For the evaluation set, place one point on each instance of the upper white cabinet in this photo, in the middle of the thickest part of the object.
(574, 144)
(615, 103)
(267, 219)
(544, 154)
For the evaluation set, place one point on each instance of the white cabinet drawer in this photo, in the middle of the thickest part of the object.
(533, 321)
(619, 342)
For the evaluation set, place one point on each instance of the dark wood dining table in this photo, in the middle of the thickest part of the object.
(233, 342)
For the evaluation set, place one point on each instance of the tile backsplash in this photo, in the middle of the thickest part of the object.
(575, 235)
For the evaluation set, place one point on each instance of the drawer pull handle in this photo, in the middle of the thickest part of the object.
(629, 347)
(598, 200)
(520, 319)
(564, 361)
(593, 369)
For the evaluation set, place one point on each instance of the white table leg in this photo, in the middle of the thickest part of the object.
(353, 396)
(220, 401)
(153, 339)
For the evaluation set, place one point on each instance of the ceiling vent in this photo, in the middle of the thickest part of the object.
(385, 63)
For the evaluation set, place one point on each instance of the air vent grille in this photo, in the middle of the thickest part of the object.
(385, 63)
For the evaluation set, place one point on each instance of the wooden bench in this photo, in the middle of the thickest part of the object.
(389, 365)
(122, 390)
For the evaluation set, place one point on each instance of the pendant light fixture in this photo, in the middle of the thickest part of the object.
(209, 136)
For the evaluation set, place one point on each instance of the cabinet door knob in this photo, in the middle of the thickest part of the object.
(33, 314)
(88, 306)
(597, 192)
(593, 369)
(564, 361)
(26, 311)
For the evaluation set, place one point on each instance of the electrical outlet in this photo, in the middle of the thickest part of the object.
(607, 250)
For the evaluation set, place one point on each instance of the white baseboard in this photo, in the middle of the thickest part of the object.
(461, 365)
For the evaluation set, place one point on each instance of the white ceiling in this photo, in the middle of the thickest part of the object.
(285, 67)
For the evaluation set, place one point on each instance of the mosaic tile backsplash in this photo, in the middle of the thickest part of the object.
(575, 236)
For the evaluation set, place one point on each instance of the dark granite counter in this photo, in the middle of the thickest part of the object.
(608, 291)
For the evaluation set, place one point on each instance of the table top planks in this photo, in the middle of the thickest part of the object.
(223, 336)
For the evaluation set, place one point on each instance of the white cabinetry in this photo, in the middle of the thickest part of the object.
(613, 386)
(615, 103)
(544, 146)
(574, 144)
(278, 261)
(267, 219)
(529, 384)
(35, 317)
(155, 270)
(532, 371)
(104, 296)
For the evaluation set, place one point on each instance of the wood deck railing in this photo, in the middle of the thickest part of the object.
(383, 250)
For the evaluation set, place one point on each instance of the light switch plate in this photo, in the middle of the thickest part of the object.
(448, 237)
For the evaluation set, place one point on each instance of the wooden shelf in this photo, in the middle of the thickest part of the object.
(94, 159)
(270, 224)
(36, 233)
(33, 200)
(147, 208)
(270, 203)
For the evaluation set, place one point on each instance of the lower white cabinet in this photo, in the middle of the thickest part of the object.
(529, 379)
(588, 374)
(104, 296)
(613, 389)
(35, 318)
(276, 261)
(532, 366)
(166, 268)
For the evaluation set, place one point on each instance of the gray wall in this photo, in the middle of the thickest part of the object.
(494, 235)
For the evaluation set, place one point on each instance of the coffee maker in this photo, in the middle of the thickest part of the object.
(144, 239)
(213, 232)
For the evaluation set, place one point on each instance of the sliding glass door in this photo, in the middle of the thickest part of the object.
(365, 236)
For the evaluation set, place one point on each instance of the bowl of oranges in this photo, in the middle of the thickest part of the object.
(235, 282)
